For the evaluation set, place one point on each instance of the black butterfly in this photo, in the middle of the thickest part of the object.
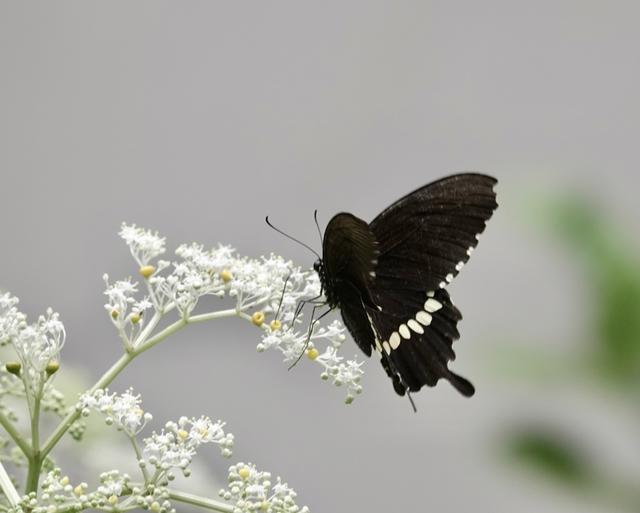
(389, 277)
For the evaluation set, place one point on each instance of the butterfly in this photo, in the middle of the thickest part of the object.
(388, 277)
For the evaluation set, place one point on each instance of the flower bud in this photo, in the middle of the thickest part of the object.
(135, 318)
(13, 367)
(312, 353)
(257, 319)
(226, 275)
(275, 325)
(52, 367)
(147, 270)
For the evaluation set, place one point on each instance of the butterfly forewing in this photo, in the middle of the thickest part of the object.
(426, 237)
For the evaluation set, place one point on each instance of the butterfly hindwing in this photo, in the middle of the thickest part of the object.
(356, 320)
(419, 344)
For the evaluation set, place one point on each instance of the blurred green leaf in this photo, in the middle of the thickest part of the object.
(613, 275)
(551, 456)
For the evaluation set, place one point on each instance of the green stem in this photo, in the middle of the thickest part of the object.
(35, 459)
(107, 378)
(202, 502)
(7, 487)
(146, 331)
(73, 415)
(143, 469)
(213, 315)
(159, 337)
(15, 436)
(124, 360)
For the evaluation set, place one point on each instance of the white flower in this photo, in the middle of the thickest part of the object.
(341, 373)
(11, 320)
(37, 345)
(124, 410)
(175, 446)
(113, 483)
(251, 490)
(266, 287)
(144, 245)
(120, 294)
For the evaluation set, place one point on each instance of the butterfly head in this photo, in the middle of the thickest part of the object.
(326, 284)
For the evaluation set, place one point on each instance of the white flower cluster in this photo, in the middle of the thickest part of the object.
(144, 244)
(175, 446)
(60, 495)
(124, 410)
(252, 490)
(268, 287)
(11, 319)
(37, 345)
(126, 312)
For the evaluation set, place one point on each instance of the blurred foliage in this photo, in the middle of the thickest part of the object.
(546, 453)
(608, 261)
(612, 272)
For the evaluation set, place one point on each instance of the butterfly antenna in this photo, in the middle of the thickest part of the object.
(292, 238)
(315, 218)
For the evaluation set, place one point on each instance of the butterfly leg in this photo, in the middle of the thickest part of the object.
(284, 288)
(310, 331)
(303, 302)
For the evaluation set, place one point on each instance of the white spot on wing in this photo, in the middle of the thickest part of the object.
(431, 293)
(459, 265)
(378, 346)
(423, 318)
(449, 277)
(442, 285)
(386, 346)
(394, 340)
(404, 331)
(432, 305)
(470, 250)
(415, 326)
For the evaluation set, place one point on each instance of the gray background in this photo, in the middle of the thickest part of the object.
(199, 118)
